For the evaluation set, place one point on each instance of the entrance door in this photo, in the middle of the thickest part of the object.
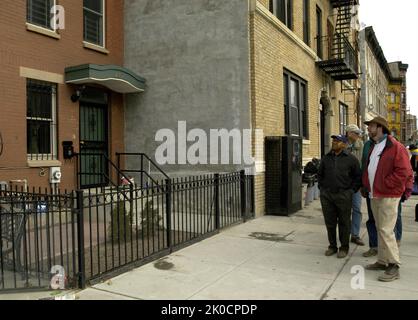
(94, 169)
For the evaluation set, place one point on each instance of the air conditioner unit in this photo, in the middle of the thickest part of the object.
(55, 175)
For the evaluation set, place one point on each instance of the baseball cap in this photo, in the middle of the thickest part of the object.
(340, 137)
(353, 128)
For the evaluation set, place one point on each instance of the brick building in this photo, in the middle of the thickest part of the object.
(375, 77)
(397, 101)
(62, 84)
(287, 67)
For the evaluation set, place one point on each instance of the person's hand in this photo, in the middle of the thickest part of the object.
(406, 195)
(364, 192)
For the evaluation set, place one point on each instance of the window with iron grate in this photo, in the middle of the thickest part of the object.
(41, 120)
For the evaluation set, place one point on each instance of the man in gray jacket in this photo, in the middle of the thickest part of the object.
(356, 148)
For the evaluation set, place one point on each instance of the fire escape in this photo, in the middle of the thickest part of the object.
(342, 58)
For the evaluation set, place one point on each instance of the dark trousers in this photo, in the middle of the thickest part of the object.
(371, 225)
(336, 207)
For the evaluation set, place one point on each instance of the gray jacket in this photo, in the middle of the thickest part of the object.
(357, 149)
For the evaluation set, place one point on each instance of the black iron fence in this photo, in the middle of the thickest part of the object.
(38, 233)
(56, 239)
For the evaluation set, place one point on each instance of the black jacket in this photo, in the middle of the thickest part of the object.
(339, 173)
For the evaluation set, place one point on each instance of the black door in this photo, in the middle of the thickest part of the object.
(93, 168)
(323, 151)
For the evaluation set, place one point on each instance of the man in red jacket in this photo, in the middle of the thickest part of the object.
(385, 178)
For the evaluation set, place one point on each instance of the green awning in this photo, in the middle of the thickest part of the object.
(115, 78)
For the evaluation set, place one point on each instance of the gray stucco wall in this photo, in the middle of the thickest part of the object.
(194, 55)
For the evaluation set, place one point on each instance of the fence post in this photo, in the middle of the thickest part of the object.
(168, 213)
(118, 171)
(243, 196)
(142, 171)
(217, 211)
(80, 241)
(252, 189)
(131, 201)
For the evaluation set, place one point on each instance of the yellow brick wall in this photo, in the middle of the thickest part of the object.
(272, 51)
(394, 124)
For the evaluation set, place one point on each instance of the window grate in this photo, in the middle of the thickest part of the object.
(41, 120)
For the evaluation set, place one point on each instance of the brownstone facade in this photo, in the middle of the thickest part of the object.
(30, 52)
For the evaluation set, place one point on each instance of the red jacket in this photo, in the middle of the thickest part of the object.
(394, 173)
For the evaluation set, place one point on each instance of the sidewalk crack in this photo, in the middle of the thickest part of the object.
(325, 294)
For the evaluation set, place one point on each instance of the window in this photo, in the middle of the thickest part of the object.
(41, 120)
(392, 97)
(394, 116)
(306, 21)
(39, 12)
(343, 118)
(403, 98)
(319, 32)
(94, 22)
(282, 9)
(295, 104)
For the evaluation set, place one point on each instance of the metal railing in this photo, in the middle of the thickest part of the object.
(37, 232)
(146, 167)
(94, 234)
(103, 172)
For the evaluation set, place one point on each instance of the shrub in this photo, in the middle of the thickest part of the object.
(151, 219)
(121, 223)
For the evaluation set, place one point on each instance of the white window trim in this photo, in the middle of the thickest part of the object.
(53, 132)
(94, 46)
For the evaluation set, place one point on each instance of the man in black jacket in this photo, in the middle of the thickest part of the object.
(339, 178)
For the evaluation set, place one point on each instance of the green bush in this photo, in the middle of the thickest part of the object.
(151, 219)
(121, 223)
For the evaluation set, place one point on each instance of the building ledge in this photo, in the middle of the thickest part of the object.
(44, 163)
(43, 31)
(94, 47)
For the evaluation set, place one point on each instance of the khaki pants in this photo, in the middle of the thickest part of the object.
(385, 212)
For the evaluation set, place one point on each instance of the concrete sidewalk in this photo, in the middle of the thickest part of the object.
(269, 258)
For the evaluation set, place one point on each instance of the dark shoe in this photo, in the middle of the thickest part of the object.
(391, 273)
(370, 253)
(376, 266)
(357, 241)
(342, 254)
(330, 252)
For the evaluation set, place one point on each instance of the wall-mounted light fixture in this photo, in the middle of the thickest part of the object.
(76, 96)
